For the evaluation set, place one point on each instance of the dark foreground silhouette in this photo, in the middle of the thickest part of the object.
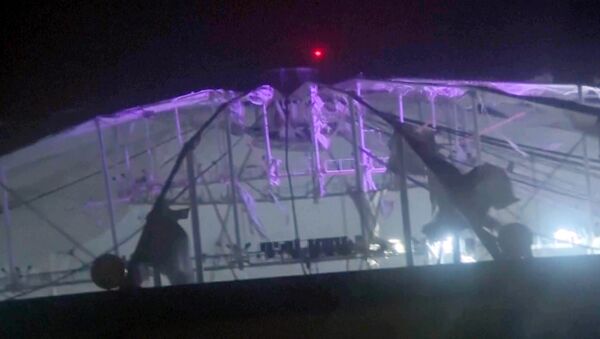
(535, 298)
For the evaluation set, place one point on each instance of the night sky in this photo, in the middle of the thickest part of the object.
(63, 63)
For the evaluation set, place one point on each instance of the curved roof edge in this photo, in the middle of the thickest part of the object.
(202, 97)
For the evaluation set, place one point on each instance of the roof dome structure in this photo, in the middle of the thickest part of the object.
(276, 178)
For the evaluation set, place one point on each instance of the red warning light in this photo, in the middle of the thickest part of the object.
(318, 53)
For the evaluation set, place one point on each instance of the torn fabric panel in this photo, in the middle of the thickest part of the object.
(261, 96)
(280, 207)
(273, 172)
(369, 183)
(319, 121)
(236, 112)
(366, 213)
(450, 92)
(250, 207)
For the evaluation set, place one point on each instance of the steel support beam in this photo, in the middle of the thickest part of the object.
(404, 204)
(268, 150)
(588, 178)
(152, 172)
(404, 199)
(107, 189)
(456, 248)
(433, 111)
(476, 133)
(358, 171)
(316, 158)
(197, 241)
(401, 107)
(234, 200)
(191, 177)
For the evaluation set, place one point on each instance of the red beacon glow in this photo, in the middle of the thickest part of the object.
(318, 53)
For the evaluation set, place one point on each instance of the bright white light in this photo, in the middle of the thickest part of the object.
(374, 247)
(397, 245)
(399, 248)
(564, 234)
(467, 259)
(372, 263)
(447, 245)
(596, 245)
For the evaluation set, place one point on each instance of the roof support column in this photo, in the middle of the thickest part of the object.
(358, 168)
(191, 176)
(107, 189)
(588, 178)
(404, 200)
(477, 137)
(234, 200)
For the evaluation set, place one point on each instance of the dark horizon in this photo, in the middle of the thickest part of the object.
(72, 62)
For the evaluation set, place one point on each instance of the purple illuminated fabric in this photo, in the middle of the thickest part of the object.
(319, 120)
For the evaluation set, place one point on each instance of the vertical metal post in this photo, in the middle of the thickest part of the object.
(53, 267)
(344, 218)
(191, 177)
(7, 229)
(119, 145)
(156, 277)
(126, 151)
(588, 178)
(151, 177)
(534, 176)
(117, 142)
(288, 122)
(433, 112)
(406, 226)
(130, 179)
(420, 111)
(344, 224)
(152, 172)
(452, 141)
(178, 127)
(476, 128)
(316, 169)
(404, 204)
(358, 172)
(268, 153)
(195, 219)
(361, 138)
(456, 248)
(107, 189)
(401, 107)
(461, 119)
(316, 155)
(452, 123)
(232, 174)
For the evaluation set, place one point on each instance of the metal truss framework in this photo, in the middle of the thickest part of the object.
(362, 166)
